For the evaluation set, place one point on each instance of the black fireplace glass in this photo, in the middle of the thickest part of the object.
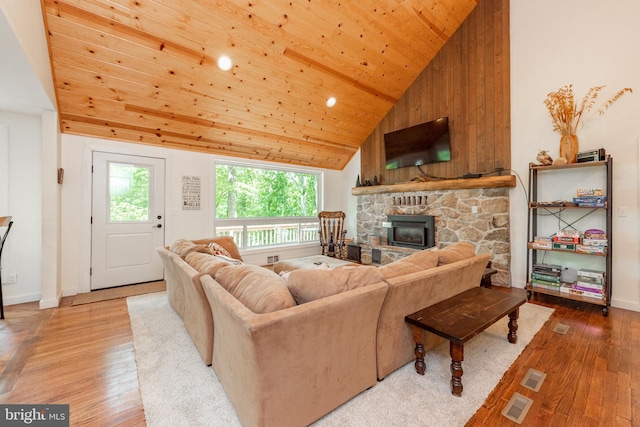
(412, 231)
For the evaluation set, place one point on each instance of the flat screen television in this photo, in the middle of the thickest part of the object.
(418, 145)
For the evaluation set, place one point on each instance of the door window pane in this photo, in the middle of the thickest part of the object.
(129, 192)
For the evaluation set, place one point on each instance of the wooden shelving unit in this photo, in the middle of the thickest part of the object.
(555, 209)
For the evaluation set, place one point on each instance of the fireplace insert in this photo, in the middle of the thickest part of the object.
(411, 231)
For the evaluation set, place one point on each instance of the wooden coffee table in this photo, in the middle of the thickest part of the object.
(461, 318)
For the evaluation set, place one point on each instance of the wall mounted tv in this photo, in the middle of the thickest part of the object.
(418, 145)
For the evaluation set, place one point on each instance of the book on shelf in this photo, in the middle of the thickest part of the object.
(598, 274)
(546, 277)
(551, 287)
(589, 279)
(569, 289)
(589, 287)
(550, 268)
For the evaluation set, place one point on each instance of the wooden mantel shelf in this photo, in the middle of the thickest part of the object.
(449, 184)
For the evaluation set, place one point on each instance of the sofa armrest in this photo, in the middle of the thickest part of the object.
(174, 276)
(412, 292)
(292, 366)
(185, 295)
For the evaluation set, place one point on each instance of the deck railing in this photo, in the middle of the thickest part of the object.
(247, 235)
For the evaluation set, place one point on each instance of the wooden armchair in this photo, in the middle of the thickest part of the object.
(332, 233)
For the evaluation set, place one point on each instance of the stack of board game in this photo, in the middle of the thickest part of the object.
(566, 240)
(589, 283)
(541, 242)
(546, 276)
(590, 198)
(594, 241)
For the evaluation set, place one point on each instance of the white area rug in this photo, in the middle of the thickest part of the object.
(177, 389)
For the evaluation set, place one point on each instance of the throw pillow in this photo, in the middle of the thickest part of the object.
(216, 249)
(259, 289)
(312, 284)
(205, 263)
(456, 252)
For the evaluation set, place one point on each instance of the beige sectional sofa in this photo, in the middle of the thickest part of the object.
(289, 352)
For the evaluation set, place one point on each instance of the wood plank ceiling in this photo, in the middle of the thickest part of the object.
(144, 71)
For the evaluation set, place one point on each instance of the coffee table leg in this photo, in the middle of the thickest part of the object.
(513, 326)
(419, 350)
(457, 356)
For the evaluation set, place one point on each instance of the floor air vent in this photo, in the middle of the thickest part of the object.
(561, 328)
(533, 379)
(517, 408)
(273, 259)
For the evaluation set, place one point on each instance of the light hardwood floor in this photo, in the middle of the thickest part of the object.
(83, 356)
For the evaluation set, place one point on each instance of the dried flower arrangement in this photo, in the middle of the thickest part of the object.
(568, 116)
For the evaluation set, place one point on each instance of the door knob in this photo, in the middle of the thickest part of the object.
(157, 226)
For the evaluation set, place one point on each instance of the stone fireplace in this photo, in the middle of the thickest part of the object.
(477, 215)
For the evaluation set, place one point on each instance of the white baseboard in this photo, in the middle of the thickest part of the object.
(51, 302)
(21, 299)
(627, 305)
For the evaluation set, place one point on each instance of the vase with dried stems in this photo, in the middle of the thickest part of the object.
(569, 116)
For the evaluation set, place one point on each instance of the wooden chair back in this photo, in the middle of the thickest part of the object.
(332, 233)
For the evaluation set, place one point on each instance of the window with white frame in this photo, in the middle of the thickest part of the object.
(263, 206)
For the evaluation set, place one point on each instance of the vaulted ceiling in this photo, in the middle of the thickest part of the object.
(144, 71)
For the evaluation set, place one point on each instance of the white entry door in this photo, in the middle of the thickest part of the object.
(127, 222)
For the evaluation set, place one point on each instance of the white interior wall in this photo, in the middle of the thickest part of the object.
(585, 43)
(22, 253)
(76, 203)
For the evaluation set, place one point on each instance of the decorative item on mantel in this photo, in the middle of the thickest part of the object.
(567, 116)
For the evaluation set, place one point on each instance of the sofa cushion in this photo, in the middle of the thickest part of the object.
(456, 252)
(205, 263)
(312, 284)
(413, 263)
(259, 289)
(183, 247)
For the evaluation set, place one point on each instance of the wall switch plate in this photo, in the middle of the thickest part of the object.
(474, 209)
(12, 278)
(622, 211)
(386, 224)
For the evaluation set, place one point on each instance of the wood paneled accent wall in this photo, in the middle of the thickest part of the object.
(469, 82)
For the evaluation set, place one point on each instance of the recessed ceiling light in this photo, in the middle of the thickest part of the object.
(331, 101)
(224, 63)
